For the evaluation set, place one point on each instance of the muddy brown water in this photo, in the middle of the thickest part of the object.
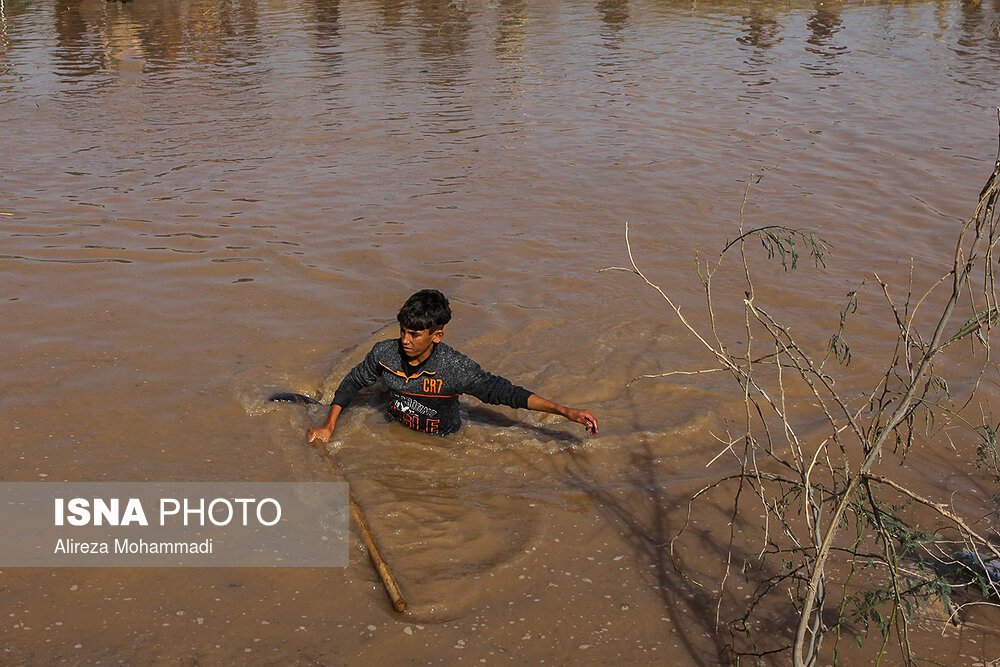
(202, 203)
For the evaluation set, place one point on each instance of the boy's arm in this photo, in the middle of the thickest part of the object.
(326, 430)
(364, 374)
(497, 390)
(536, 402)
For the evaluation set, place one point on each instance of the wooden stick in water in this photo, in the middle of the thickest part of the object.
(388, 581)
(381, 567)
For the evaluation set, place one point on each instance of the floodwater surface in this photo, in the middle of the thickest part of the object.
(202, 203)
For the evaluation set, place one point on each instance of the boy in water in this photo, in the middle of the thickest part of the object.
(426, 377)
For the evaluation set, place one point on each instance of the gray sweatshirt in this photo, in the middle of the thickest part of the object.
(425, 397)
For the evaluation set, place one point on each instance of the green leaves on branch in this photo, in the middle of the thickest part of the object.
(975, 326)
(784, 243)
(838, 346)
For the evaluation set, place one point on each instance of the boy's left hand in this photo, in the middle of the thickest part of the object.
(583, 417)
(536, 402)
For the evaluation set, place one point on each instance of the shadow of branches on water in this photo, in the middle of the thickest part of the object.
(831, 505)
(485, 416)
(641, 510)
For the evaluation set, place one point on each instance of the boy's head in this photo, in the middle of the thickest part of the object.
(427, 309)
(421, 323)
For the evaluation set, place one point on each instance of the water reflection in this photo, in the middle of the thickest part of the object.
(511, 30)
(122, 38)
(128, 39)
(979, 38)
(761, 29)
(979, 25)
(74, 47)
(390, 13)
(326, 18)
(614, 13)
(444, 42)
(824, 24)
(230, 34)
(761, 32)
(326, 28)
(445, 31)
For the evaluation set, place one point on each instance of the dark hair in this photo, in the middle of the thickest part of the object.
(427, 309)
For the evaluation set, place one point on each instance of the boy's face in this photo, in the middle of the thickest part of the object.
(418, 343)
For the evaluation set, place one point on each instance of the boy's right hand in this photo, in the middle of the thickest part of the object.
(326, 430)
(320, 433)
